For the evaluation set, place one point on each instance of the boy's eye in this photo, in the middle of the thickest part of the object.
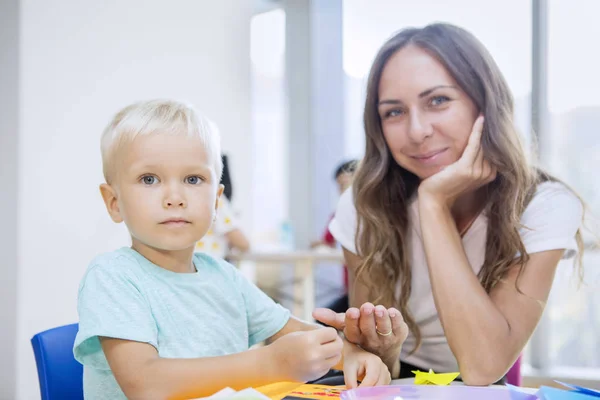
(193, 180)
(439, 100)
(149, 179)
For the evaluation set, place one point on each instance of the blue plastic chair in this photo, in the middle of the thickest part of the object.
(60, 375)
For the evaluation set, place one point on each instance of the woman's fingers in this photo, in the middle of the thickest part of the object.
(330, 318)
(470, 153)
(367, 323)
(383, 324)
(352, 331)
(399, 326)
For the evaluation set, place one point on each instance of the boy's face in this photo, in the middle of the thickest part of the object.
(165, 190)
(344, 180)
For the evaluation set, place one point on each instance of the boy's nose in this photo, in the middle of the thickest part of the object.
(174, 199)
(169, 204)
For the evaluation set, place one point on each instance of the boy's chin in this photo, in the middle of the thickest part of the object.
(179, 247)
(171, 246)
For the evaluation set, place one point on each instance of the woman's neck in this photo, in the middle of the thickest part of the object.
(467, 207)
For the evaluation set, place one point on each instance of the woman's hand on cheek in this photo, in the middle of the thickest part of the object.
(467, 174)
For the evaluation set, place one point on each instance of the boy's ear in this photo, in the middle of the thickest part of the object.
(110, 201)
(219, 194)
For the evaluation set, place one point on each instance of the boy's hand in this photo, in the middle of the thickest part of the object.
(365, 367)
(306, 355)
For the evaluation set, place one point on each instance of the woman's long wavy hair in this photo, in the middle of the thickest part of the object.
(382, 189)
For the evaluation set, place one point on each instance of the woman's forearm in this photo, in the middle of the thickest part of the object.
(476, 330)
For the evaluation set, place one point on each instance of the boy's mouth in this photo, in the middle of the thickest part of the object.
(175, 222)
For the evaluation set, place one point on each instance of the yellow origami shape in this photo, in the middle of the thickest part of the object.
(431, 378)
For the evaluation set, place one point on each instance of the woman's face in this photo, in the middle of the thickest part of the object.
(425, 116)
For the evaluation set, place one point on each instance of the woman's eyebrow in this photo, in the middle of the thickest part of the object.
(421, 95)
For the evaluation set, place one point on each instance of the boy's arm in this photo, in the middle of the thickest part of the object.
(142, 374)
(293, 325)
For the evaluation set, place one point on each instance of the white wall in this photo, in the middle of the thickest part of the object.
(79, 63)
(9, 97)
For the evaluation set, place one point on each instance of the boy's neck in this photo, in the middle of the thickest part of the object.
(176, 261)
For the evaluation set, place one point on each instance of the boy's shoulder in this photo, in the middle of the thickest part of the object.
(125, 264)
(121, 262)
(119, 258)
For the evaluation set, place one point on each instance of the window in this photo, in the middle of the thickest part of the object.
(574, 113)
(267, 55)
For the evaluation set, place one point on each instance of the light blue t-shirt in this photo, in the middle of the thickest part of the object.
(213, 312)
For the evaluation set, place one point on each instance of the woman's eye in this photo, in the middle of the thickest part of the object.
(149, 179)
(393, 113)
(439, 100)
(193, 180)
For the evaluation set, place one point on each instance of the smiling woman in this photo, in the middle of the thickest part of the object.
(409, 111)
(448, 228)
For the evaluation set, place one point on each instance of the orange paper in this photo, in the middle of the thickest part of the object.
(278, 391)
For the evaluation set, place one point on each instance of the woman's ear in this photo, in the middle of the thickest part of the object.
(109, 195)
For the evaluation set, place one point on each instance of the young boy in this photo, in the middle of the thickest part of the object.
(158, 321)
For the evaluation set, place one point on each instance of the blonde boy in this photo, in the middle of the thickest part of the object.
(158, 321)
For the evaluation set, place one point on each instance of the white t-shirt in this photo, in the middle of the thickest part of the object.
(215, 242)
(553, 217)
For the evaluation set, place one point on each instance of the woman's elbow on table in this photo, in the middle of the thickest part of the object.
(481, 373)
(478, 378)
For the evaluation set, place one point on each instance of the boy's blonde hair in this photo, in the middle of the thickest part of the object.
(158, 117)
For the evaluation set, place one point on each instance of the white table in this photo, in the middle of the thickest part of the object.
(411, 381)
(304, 262)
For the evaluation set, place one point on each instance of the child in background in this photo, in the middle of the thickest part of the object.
(343, 178)
(225, 234)
(158, 321)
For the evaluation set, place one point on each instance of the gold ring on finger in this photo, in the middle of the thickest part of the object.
(383, 334)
